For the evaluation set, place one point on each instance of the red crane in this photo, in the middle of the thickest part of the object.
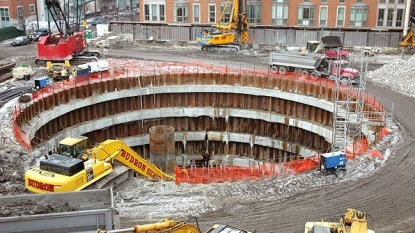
(65, 45)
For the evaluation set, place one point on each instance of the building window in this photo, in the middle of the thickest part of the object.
(226, 11)
(181, 12)
(323, 16)
(20, 12)
(382, 1)
(389, 19)
(196, 13)
(399, 15)
(32, 8)
(5, 16)
(358, 15)
(381, 15)
(280, 12)
(341, 13)
(154, 12)
(391, 1)
(162, 12)
(146, 12)
(401, 1)
(323, 1)
(254, 12)
(341, 1)
(212, 13)
(306, 14)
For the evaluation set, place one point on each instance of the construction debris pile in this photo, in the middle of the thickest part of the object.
(398, 75)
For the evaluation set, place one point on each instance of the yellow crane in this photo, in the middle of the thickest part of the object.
(231, 31)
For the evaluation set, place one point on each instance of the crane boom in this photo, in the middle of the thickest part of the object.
(58, 15)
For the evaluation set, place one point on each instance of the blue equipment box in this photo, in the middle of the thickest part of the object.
(334, 159)
(41, 82)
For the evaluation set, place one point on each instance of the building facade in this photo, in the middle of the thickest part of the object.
(342, 14)
(17, 13)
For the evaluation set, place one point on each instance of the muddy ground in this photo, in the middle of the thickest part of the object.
(382, 188)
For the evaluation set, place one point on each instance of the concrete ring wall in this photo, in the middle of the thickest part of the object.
(264, 117)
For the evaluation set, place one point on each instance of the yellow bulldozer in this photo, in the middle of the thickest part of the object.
(353, 221)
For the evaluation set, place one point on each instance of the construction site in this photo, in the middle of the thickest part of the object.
(217, 134)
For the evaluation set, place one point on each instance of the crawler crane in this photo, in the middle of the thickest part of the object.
(231, 30)
(66, 45)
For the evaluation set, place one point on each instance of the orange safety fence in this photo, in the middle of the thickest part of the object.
(204, 175)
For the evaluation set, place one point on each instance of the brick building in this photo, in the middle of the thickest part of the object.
(344, 14)
(17, 13)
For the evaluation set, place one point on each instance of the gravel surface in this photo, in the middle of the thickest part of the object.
(382, 188)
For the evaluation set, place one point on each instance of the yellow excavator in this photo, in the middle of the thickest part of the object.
(60, 173)
(408, 41)
(353, 221)
(230, 32)
(174, 226)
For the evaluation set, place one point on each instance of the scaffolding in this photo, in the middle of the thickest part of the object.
(348, 112)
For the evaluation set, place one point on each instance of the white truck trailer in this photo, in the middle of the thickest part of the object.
(313, 65)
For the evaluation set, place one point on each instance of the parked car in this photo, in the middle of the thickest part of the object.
(21, 40)
(40, 32)
(98, 20)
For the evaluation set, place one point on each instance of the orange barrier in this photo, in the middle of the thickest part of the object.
(230, 173)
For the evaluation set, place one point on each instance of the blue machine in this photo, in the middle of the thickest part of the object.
(41, 82)
(333, 162)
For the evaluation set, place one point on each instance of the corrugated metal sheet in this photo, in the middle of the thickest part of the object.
(355, 38)
(302, 36)
(277, 36)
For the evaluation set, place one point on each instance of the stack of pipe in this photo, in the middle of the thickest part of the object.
(6, 71)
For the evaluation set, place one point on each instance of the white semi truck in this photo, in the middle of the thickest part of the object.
(313, 65)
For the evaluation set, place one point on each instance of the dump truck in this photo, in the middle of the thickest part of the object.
(329, 46)
(313, 65)
(354, 221)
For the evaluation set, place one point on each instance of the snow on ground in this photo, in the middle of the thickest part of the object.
(398, 74)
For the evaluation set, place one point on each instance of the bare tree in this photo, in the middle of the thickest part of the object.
(23, 14)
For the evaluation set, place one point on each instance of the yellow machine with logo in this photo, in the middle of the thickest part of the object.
(60, 173)
(353, 221)
(175, 226)
(231, 31)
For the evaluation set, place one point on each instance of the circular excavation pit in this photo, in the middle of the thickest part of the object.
(251, 124)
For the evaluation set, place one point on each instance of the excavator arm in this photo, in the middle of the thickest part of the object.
(117, 150)
(174, 226)
(163, 226)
